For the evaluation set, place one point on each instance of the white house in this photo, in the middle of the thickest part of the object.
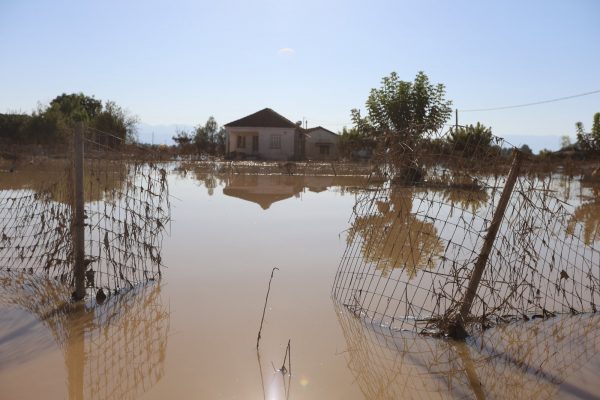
(265, 135)
(268, 135)
(321, 144)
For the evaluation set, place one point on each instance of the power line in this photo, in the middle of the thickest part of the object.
(532, 104)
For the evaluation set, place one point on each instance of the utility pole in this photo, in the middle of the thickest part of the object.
(456, 119)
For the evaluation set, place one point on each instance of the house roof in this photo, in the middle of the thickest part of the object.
(309, 130)
(265, 118)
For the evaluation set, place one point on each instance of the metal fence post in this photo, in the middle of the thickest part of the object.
(457, 326)
(78, 216)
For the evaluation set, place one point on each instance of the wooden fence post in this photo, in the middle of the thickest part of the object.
(456, 327)
(78, 215)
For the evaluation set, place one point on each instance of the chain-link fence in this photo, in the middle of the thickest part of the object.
(103, 215)
(463, 230)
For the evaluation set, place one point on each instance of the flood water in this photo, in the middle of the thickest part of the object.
(193, 334)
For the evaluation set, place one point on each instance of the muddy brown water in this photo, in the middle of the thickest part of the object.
(193, 335)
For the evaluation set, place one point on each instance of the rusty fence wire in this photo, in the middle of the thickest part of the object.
(421, 227)
(126, 213)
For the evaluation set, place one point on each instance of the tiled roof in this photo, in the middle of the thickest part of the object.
(265, 118)
(309, 130)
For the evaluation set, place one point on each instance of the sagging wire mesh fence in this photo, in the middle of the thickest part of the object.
(115, 349)
(124, 210)
(446, 209)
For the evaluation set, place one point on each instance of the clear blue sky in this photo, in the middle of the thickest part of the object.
(181, 61)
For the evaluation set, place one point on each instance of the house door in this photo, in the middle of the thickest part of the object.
(255, 144)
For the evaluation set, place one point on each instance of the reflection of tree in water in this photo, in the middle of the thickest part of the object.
(394, 237)
(588, 215)
(466, 199)
(210, 180)
(534, 267)
(267, 183)
(35, 208)
(112, 350)
(126, 208)
(519, 360)
(50, 179)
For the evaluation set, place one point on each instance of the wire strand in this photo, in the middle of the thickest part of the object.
(532, 104)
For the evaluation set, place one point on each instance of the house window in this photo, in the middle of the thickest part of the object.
(241, 142)
(324, 149)
(276, 141)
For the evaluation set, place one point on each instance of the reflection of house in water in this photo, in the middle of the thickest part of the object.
(265, 190)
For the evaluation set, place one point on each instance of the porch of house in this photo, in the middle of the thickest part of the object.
(246, 143)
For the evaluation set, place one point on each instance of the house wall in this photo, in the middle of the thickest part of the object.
(317, 138)
(285, 152)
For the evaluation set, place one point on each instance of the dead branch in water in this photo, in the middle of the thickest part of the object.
(288, 357)
(265, 307)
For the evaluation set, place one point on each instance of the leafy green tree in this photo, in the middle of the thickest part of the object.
(471, 139)
(525, 149)
(201, 139)
(184, 141)
(12, 126)
(76, 106)
(589, 141)
(114, 120)
(596, 129)
(351, 141)
(219, 141)
(404, 111)
(545, 154)
(565, 142)
(44, 127)
(49, 125)
(210, 138)
(182, 138)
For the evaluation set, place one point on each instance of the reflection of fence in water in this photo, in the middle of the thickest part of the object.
(518, 360)
(35, 217)
(413, 243)
(126, 210)
(112, 350)
(126, 348)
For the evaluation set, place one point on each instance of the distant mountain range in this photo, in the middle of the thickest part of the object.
(162, 134)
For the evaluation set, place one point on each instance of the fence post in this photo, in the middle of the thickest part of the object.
(78, 216)
(456, 327)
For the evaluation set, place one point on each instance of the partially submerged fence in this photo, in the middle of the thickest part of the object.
(112, 350)
(457, 234)
(517, 361)
(91, 214)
